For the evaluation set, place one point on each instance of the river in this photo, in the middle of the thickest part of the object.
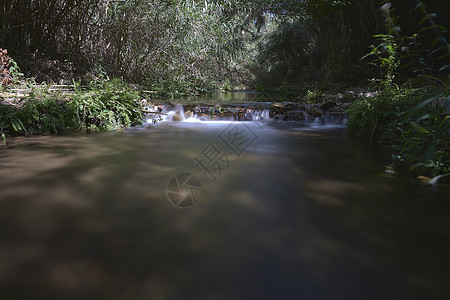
(217, 210)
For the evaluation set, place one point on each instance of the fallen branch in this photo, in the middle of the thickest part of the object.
(153, 112)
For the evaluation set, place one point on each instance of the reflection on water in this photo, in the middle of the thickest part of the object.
(302, 213)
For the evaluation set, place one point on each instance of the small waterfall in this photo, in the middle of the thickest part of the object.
(258, 112)
(164, 113)
(174, 114)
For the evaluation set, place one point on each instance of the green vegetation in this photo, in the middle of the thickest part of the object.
(106, 105)
(186, 47)
(174, 47)
(414, 122)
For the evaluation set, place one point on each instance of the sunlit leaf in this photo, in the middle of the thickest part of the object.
(419, 128)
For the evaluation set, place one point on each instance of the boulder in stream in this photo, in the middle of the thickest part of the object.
(327, 105)
(177, 118)
(188, 114)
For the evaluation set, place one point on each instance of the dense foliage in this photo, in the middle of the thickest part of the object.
(170, 46)
(105, 105)
(182, 46)
(177, 47)
(414, 122)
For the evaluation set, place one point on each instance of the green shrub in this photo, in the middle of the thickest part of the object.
(40, 112)
(377, 117)
(45, 115)
(10, 121)
(414, 123)
(105, 105)
(425, 135)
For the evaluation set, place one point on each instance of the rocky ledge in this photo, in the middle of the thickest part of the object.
(329, 111)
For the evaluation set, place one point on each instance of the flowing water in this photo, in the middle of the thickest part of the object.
(279, 210)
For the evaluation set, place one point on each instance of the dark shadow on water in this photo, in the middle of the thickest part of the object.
(302, 214)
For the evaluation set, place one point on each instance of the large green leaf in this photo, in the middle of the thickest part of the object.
(410, 113)
(419, 128)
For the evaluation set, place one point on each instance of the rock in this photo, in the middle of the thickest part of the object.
(301, 107)
(204, 117)
(338, 114)
(187, 107)
(227, 114)
(296, 115)
(188, 114)
(327, 105)
(345, 106)
(289, 106)
(177, 118)
(279, 109)
(280, 117)
(336, 108)
(315, 112)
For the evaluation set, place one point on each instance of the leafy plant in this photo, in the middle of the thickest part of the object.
(386, 57)
(416, 123)
(376, 117)
(425, 135)
(106, 105)
(10, 121)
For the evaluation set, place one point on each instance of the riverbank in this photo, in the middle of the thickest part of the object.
(412, 123)
(103, 105)
(109, 105)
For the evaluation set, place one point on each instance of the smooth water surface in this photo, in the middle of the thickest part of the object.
(300, 213)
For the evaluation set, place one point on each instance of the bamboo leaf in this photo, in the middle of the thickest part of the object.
(423, 20)
(424, 117)
(419, 128)
(434, 51)
(442, 56)
(417, 108)
(420, 4)
(442, 29)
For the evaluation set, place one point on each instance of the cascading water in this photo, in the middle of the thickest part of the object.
(278, 112)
